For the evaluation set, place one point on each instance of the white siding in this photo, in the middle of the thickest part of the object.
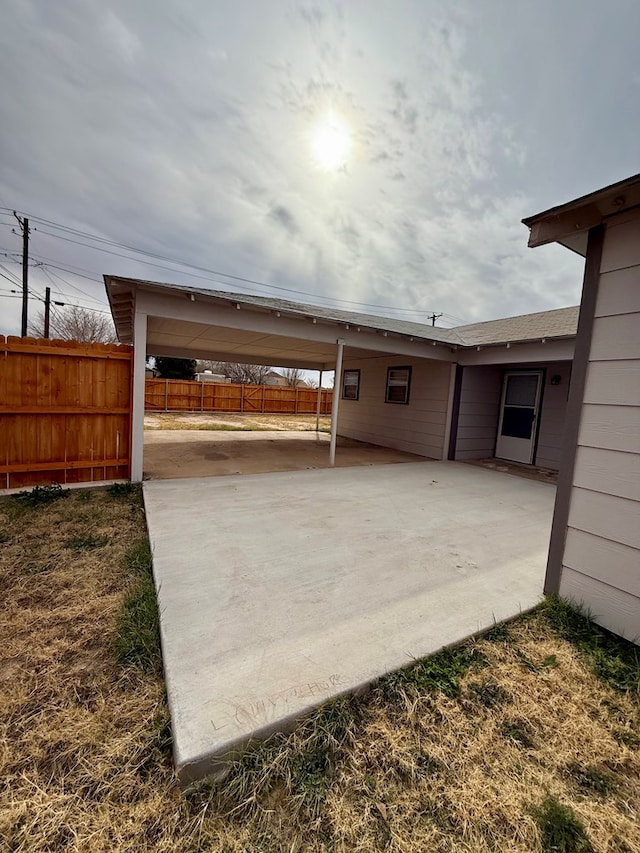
(601, 564)
(418, 427)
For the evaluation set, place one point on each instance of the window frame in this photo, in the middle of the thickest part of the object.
(404, 402)
(355, 371)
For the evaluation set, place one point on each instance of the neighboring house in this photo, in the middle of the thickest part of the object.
(210, 376)
(594, 556)
(275, 378)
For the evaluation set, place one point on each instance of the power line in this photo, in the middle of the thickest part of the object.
(14, 278)
(44, 268)
(95, 277)
(176, 262)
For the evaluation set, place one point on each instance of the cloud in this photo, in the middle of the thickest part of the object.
(187, 129)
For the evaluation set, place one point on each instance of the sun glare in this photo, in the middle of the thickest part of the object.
(331, 144)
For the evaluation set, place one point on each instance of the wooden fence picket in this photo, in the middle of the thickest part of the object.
(178, 395)
(65, 411)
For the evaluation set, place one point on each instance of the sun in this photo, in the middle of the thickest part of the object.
(331, 143)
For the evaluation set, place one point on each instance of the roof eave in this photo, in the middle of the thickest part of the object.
(449, 340)
(569, 223)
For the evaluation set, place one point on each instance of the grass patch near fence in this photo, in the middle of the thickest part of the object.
(525, 740)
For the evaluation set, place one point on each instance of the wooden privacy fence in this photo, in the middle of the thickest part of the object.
(65, 411)
(175, 395)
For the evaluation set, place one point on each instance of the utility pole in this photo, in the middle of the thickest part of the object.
(47, 310)
(434, 317)
(24, 225)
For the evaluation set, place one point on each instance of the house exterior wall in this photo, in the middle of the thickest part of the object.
(552, 416)
(417, 427)
(479, 411)
(600, 565)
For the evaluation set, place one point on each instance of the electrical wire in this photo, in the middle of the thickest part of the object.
(176, 262)
(44, 268)
(13, 278)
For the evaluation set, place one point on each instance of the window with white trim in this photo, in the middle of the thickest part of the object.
(398, 385)
(350, 384)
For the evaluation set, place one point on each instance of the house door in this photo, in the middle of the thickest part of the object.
(519, 415)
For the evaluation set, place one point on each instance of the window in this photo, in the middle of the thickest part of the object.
(398, 383)
(351, 385)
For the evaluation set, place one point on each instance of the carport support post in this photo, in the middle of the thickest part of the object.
(319, 403)
(335, 404)
(137, 409)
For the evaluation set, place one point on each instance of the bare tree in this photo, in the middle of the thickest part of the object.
(294, 376)
(243, 374)
(73, 323)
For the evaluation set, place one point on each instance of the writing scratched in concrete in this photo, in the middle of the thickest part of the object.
(259, 711)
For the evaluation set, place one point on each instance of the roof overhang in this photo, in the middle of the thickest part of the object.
(193, 323)
(569, 224)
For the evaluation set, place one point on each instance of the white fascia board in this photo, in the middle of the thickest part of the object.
(200, 310)
(526, 353)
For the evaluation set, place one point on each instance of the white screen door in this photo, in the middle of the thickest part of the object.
(519, 416)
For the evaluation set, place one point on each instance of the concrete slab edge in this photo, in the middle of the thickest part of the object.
(191, 771)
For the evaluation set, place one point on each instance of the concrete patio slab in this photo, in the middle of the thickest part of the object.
(280, 591)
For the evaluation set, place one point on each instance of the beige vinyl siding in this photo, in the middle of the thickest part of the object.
(553, 415)
(479, 412)
(601, 563)
(480, 397)
(418, 427)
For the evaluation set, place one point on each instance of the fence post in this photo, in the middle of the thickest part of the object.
(262, 405)
(202, 396)
(295, 404)
(166, 395)
(242, 397)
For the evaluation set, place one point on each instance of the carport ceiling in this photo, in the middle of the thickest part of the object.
(203, 340)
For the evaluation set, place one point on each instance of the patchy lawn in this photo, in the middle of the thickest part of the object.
(527, 740)
(231, 421)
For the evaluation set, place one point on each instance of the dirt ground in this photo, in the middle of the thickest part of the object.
(196, 420)
(202, 453)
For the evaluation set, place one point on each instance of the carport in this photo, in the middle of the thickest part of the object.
(185, 322)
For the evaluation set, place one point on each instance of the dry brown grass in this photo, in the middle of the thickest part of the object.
(259, 422)
(84, 743)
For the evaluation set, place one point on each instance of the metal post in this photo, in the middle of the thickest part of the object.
(319, 403)
(336, 404)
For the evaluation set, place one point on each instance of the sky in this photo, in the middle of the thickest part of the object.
(370, 155)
